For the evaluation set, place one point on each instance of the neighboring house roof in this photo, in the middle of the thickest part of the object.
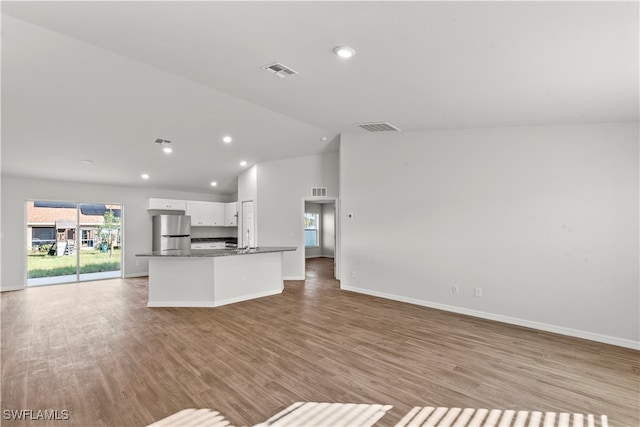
(48, 213)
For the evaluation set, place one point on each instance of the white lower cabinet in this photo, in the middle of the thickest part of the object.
(208, 245)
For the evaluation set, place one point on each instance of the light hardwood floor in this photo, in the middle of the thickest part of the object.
(96, 350)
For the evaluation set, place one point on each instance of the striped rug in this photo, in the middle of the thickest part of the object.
(458, 417)
(314, 414)
(192, 418)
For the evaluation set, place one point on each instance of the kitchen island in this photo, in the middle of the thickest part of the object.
(211, 278)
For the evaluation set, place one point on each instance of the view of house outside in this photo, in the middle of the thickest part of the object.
(68, 241)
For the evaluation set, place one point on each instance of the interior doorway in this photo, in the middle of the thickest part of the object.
(71, 242)
(320, 232)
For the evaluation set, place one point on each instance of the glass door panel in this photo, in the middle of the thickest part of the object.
(100, 241)
(51, 241)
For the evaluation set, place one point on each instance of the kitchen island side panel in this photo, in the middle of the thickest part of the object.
(240, 278)
(181, 282)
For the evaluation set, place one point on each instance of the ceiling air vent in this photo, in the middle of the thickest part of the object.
(319, 191)
(280, 70)
(378, 127)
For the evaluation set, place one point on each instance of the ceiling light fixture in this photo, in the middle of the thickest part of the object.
(213, 183)
(344, 51)
(86, 162)
(227, 139)
(243, 163)
(145, 176)
(165, 144)
(324, 138)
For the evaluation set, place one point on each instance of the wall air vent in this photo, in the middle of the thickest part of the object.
(319, 191)
(378, 127)
(280, 70)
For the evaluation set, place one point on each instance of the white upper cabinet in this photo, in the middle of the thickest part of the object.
(217, 214)
(231, 214)
(205, 214)
(195, 211)
(166, 204)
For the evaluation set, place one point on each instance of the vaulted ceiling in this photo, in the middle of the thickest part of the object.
(100, 81)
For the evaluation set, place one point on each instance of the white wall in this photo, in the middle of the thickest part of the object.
(543, 219)
(137, 222)
(282, 187)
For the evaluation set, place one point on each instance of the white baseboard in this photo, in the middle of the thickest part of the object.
(606, 339)
(129, 276)
(180, 304)
(247, 297)
(293, 278)
(12, 288)
(211, 304)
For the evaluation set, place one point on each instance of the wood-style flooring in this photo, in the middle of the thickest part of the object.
(96, 350)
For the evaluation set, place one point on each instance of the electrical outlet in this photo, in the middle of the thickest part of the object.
(137, 262)
(454, 289)
(353, 274)
(478, 292)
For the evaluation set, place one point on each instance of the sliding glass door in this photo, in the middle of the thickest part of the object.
(100, 241)
(70, 242)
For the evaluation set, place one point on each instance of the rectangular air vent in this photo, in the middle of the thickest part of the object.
(319, 191)
(378, 127)
(280, 70)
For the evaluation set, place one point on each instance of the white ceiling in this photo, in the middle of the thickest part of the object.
(103, 80)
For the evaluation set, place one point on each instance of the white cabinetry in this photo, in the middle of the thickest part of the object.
(218, 214)
(208, 245)
(231, 214)
(198, 213)
(166, 204)
(205, 214)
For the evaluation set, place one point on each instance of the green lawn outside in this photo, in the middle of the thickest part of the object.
(91, 261)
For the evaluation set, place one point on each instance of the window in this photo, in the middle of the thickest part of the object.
(311, 227)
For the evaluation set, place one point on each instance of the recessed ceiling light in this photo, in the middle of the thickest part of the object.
(243, 163)
(86, 162)
(324, 138)
(227, 139)
(165, 144)
(213, 183)
(344, 51)
(145, 176)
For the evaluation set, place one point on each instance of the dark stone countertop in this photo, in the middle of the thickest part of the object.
(214, 239)
(211, 253)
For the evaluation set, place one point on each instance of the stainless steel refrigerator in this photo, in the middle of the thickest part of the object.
(171, 232)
